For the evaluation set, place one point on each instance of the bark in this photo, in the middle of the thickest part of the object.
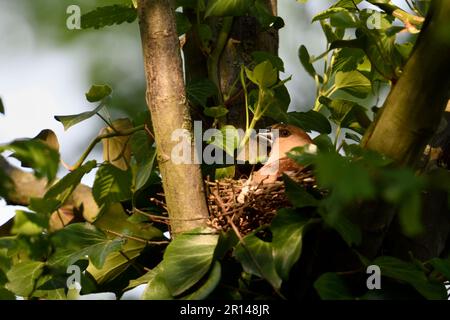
(409, 118)
(414, 107)
(166, 99)
(245, 37)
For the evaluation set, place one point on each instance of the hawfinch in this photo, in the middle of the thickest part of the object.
(278, 162)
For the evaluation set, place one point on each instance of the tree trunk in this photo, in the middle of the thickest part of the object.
(414, 107)
(166, 99)
(409, 118)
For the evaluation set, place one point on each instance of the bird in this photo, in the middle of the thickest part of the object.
(278, 163)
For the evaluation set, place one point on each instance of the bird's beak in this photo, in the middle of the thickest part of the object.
(268, 136)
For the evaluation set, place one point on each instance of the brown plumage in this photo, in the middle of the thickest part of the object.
(289, 137)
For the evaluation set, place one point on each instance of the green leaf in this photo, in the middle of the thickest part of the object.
(145, 156)
(330, 286)
(69, 121)
(310, 121)
(297, 194)
(354, 83)
(111, 185)
(28, 223)
(78, 240)
(408, 272)
(215, 112)
(22, 277)
(188, 258)
(62, 189)
(108, 15)
(43, 206)
(404, 189)
(156, 287)
(183, 23)
(348, 181)
(328, 13)
(2, 107)
(6, 294)
(347, 59)
(117, 262)
(305, 59)
(288, 228)
(442, 266)
(98, 92)
(35, 154)
(266, 19)
(205, 35)
(264, 75)
(261, 56)
(223, 8)
(199, 91)
(227, 140)
(256, 257)
(208, 286)
(347, 114)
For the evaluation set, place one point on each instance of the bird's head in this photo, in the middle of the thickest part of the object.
(288, 137)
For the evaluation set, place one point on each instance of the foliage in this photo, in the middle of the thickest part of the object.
(124, 246)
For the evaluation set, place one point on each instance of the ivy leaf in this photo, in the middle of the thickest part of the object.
(28, 223)
(223, 8)
(98, 92)
(215, 112)
(328, 13)
(213, 279)
(116, 262)
(108, 16)
(199, 91)
(35, 154)
(305, 59)
(6, 294)
(156, 287)
(310, 121)
(261, 56)
(188, 258)
(287, 228)
(264, 75)
(183, 23)
(23, 276)
(2, 107)
(226, 139)
(347, 114)
(298, 196)
(78, 240)
(145, 156)
(256, 257)
(408, 272)
(354, 83)
(62, 189)
(330, 286)
(111, 185)
(69, 121)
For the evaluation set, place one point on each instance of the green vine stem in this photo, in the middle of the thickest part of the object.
(213, 60)
(99, 138)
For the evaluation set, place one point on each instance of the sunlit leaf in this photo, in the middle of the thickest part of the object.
(188, 258)
(111, 185)
(22, 277)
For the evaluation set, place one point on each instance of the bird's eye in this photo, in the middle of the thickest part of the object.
(284, 133)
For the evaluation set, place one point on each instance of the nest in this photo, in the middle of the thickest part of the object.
(259, 208)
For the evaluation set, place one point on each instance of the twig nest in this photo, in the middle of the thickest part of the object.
(259, 208)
